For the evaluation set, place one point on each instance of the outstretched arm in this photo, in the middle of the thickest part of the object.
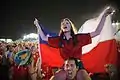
(42, 35)
(101, 23)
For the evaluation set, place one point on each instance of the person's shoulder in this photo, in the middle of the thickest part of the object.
(59, 75)
(84, 73)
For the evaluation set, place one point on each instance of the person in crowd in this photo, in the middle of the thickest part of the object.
(33, 67)
(46, 71)
(71, 68)
(4, 63)
(20, 68)
(111, 70)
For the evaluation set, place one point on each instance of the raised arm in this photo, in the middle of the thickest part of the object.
(42, 35)
(101, 23)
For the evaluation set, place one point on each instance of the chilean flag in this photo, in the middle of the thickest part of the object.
(103, 49)
(49, 56)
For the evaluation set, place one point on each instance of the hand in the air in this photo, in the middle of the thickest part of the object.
(36, 22)
(109, 10)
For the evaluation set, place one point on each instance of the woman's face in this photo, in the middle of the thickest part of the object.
(65, 26)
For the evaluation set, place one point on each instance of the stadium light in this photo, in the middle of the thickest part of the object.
(33, 35)
(114, 24)
(9, 40)
(30, 36)
(2, 40)
(117, 23)
(24, 37)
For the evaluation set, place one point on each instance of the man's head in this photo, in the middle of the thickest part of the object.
(71, 67)
(110, 68)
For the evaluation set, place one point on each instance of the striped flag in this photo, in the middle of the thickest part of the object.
(103, 49)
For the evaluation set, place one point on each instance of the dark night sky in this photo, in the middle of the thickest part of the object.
(17, 16)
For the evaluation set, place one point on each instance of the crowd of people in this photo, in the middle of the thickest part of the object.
(9, 70)
(21, 61)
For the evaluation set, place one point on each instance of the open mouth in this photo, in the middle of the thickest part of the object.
(70, 73)
(64, 27)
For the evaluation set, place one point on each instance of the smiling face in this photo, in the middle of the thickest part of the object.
(65, 25)
(70, 68)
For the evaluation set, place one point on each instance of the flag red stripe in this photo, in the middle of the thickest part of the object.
(50, 56)
(104, 53)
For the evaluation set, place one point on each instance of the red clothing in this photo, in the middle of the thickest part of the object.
(20, 73)
(47, 70)
(35, 56)
(68, 49)
(118, 51)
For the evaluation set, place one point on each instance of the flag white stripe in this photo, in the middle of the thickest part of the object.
(107, 32)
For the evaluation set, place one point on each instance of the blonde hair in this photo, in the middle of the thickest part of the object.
(72, 26)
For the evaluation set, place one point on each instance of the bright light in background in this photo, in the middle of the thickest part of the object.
(113, 24)
(2, 40)
(116, 25)
(6, 40)
(9, 40)
(33, 35)
(24, 37)
(30, 36)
